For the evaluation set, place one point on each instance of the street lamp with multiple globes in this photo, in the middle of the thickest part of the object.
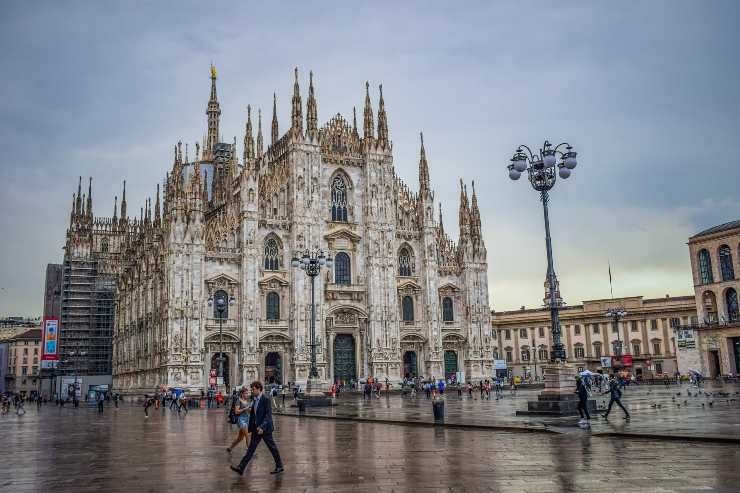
(310, 262)
(221, 303)
(542, 175)
(616, 314)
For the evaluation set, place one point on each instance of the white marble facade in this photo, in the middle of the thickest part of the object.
(402, 297)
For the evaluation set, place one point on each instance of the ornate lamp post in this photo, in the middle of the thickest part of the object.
(221, 303)
(543, 169)
(616, 314)
(311, 262)
(542, 176)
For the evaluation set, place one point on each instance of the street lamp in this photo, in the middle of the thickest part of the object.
(221, 303)
(542, 176)
(311, 262)
(616, 314)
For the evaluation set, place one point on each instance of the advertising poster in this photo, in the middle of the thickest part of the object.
(50, 351)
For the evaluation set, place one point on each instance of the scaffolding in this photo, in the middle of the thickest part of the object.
(86, 318)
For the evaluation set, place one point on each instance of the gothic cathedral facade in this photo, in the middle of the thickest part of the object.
(401, 300)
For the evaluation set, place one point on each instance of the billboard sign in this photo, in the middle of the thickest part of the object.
(499, 364)
(627, 360)
(685, 339)
(606, 361)
(50, 351)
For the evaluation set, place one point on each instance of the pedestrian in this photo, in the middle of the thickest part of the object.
(482, 389)
(147, 404)
(19, 409)
(261, 427)
(173, 400)
(242, 408)
(284, 391)
(459, 391)
(101, 397)
(182, 403)
(582, 392)
(615, 396)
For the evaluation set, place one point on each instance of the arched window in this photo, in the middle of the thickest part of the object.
(447, 312)
(404, 262)
(705, 267)
(104, 245)
(273, 306)
(525, 353)
(408, 309)
(339, 199)
(597, 349)
(725, 263)
(543, 353)
(220, 310)
(272, 254)
(732, 308)
(342, 269)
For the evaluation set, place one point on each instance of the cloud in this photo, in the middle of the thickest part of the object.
(645, 92)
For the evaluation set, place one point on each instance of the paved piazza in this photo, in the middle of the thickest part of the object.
(79, 450)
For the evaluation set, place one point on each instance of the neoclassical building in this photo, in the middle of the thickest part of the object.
(402, 298)
(647, 333)
(712, 345)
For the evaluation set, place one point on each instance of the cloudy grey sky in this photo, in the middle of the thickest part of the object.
(647, 92)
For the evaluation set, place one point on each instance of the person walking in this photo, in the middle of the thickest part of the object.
(20, 410)
(182, 403)
(582, 392)
(261, 428)
(615, 396)
(101, 398)
(147, 404)
(242, 408)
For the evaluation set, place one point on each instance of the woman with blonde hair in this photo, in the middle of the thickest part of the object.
(242, 408)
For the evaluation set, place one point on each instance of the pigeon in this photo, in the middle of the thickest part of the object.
(678, 393)
(702, 404)
(686, 403)
(653, 406)
(711, 403)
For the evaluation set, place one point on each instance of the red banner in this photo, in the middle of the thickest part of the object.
(627, 360)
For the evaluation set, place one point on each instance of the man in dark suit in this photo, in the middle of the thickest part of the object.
(261, 428)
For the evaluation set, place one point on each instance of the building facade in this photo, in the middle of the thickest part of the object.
(53, 291)
(24, 356)
(402, 298)
(523, 337)
(712, 346)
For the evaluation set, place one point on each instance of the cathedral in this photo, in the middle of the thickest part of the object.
(401, 300)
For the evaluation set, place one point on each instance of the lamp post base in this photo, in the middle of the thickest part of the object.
(559, 397)
(314, 395)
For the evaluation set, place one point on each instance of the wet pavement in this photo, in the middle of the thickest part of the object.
(80, 450)
(683, 411)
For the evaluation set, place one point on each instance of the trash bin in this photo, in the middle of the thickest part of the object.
(438, 408)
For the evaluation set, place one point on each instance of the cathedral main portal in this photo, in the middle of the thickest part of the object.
(345, 364)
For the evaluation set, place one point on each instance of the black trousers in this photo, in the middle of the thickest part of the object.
(583, 409)
(254, 441)
(619, 403)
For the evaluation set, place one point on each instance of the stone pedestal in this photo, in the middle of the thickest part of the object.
(559, 396)
(314, 395)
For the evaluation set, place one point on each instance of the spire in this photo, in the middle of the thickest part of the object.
(115, 209)
(464, 214)
(259, 133)
(423, 169)
(248, 140)
(311, 111)
(213, 112)
(475, 225)
(89, 199)
(368, 122)
(157, 217)
(441, 224)
(124, 215)
(78, 204)
(354, 120)
(382, 121)
(274, 120)
(296, 114)
(72, 213)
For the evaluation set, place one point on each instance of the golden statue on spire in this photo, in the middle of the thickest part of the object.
(213, 71)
